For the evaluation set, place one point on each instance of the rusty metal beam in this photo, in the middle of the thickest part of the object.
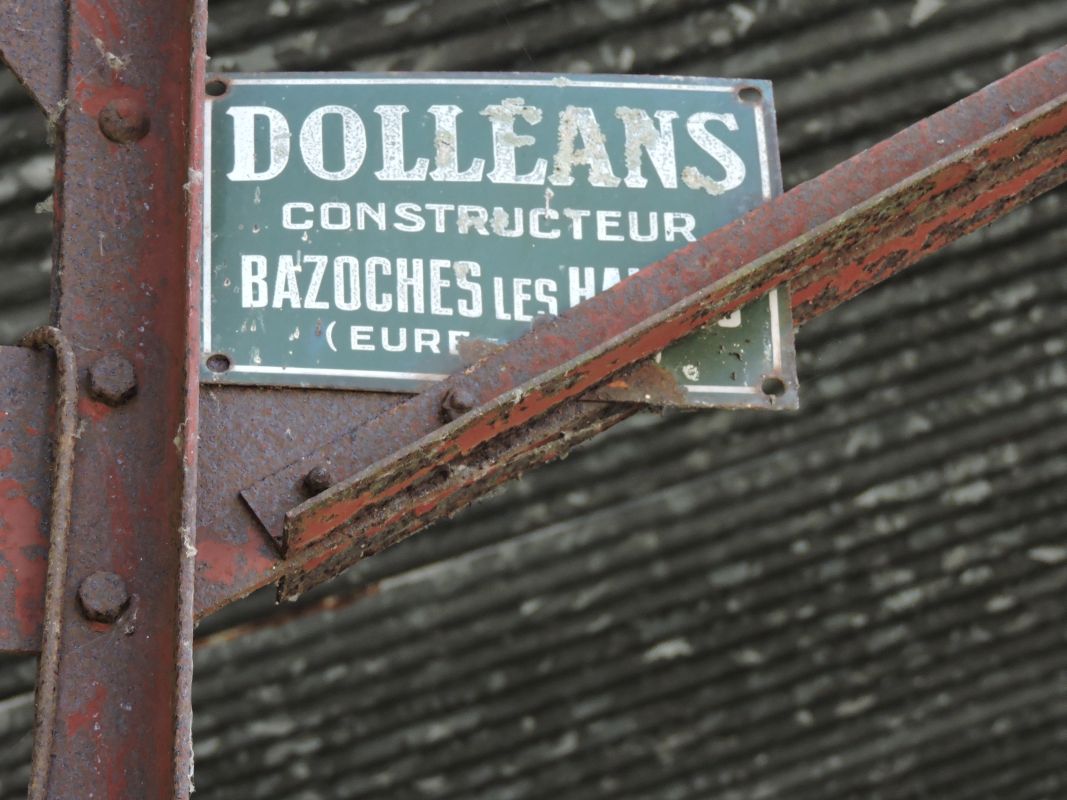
(32, 42)
(830, 238)
(126, 277)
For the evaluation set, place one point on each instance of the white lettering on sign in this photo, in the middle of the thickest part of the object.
(577, 224)
(714, 146)
(506, 142)
(382, 225)
(393, 148)
(643, 136)
(353, 143)
(580, 143)
(436, 286)
(447, 156)
(244, 139)
(576, 122)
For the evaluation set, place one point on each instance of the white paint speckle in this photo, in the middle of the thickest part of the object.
(923, 10)
(903, 600)
(854, 706)
(1049, 554)
(669, 650)
(748, 656)
(744, 17)
(398, 15)
(968, 494)
(1000, 602)
(531, 606)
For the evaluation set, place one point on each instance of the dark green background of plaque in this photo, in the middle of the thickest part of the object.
(717, 366)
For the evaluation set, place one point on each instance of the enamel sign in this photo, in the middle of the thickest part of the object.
(381, 232)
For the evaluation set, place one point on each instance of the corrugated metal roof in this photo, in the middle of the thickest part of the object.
(863, 600)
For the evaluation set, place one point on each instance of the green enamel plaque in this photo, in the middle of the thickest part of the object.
(381, 232)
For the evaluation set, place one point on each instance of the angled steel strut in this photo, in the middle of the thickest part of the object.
(829, 238)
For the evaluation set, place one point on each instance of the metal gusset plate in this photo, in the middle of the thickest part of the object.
(33, 43)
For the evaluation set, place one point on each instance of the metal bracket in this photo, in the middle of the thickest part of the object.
(1016, 126)
(829, 239)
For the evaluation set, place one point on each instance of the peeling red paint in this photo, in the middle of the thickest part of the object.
(82, 719)
(92, 410)
(216, 562)
(23, 553)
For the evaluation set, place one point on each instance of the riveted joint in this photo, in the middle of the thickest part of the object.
(112, 380)
(317, 480)
(124, 120)
(103, 597)
(457, 402)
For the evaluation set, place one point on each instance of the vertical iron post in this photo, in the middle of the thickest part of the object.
(125, 295)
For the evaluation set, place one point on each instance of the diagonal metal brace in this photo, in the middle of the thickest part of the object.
(830, 239)
(33, 42)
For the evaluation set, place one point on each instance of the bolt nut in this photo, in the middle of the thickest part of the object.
(103, 597)
(318, 480)
(124, 120)
(457, 402)
(112, 380)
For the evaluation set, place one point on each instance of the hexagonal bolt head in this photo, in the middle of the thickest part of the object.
(318, 480)
(456, 403)
(112, 380)
(124, 120)
(103, 597)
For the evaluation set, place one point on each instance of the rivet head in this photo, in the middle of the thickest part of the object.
(112, 380)
(103, 597)
(457, 402)
(317, 480)
(124, 120)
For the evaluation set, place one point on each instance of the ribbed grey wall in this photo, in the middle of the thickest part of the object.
(862, 600)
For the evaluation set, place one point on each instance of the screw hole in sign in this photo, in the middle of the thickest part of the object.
(773, 386)
(750, 95)
(216, 87)
(219, 363)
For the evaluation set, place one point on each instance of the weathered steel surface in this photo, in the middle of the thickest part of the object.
(245, 429)
(25, 425)
(344, 261)
(127, 277)
(32, 42)
(832, 237)
(66, 434)
(454, 487)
